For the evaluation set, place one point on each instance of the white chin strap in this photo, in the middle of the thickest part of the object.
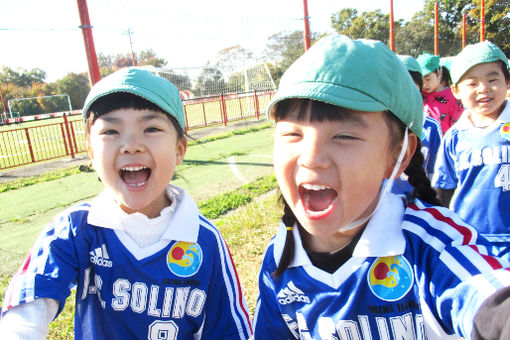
(386, 187)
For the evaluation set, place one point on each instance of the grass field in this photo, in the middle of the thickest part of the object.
(230, 177)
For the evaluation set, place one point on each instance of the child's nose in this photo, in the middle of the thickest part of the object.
(313, 154)
(132, 144)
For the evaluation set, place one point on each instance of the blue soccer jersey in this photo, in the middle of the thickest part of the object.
(183, 287)
(476, 163)
(430, 143)
(417, 272)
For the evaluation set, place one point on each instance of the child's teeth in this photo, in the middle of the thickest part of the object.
(134, 168)
(315, 187)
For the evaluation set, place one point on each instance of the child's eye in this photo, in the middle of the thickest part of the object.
(344, 137)
(109, 132)
(152, 129)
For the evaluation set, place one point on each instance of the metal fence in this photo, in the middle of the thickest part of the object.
(26, 145)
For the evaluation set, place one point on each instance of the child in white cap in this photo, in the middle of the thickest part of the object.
(351, 260)
(438, 100)
(145, 263)
(473, 166)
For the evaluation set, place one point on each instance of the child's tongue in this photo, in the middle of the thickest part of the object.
(135, 177)
(318, 200)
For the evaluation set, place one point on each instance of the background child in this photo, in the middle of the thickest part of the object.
(474, 159)
(432, 133)
(146, 264)
(438, 100)
(350, 260)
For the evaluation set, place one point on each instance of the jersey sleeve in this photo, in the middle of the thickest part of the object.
(445, 175)
(227, 315)
(268, 322)
(456, 267)
(433, 143)
(49, 270)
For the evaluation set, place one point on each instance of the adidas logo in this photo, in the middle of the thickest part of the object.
(291, 294)
(99, 257)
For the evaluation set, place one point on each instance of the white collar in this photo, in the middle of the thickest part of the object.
(465, 123)
(181, 216)
(382, 236)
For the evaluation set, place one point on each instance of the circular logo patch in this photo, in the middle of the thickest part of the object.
(390, 278)
(505, 131)
(184, 259)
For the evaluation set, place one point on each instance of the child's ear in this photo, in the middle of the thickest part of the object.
(412, 141)
(455, 91)
(182, 145)
(90, 151)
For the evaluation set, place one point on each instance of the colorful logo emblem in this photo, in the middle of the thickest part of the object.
(390, 278)
(505, 131)
(184, 259)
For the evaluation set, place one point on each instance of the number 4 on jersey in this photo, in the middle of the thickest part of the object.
(503, 177)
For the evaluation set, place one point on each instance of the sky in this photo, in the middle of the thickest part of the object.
(45, 34)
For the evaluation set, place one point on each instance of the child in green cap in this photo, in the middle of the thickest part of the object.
(350, 260)
(438, 100)
(145, 263)
(473, 167)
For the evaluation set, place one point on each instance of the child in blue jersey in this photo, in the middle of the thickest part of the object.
(351, 260)
(145, 263)
(473, 165)
(432, 133)
(438, 100)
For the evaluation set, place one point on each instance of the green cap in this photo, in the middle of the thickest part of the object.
(446, 62)
(471, 55)
(143, 83)
(410, 63)
(428, 63)
(362, 75)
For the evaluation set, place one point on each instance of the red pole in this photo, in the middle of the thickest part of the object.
(2, 98)
(392, 27)
(463, 30)
(436, 28)
(94, 75)
(307, 26)
(482, 20)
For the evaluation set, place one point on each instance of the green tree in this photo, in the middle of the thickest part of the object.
(209, 82)
(21, 77)
(368, 25)
(76, 86)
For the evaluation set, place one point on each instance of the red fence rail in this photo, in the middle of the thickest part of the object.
(27, 145)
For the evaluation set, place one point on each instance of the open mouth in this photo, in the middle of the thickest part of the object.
(484, 100)
(317, 199)
(135, 176)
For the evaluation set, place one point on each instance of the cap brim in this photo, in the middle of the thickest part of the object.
(329, 93)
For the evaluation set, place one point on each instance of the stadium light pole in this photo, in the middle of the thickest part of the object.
(482, 20)
(94, 74)
(307, 26)
(463, 29)
(436, 28)
(392, 27)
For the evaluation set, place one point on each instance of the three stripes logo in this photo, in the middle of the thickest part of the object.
(291, 294)
(99, 257)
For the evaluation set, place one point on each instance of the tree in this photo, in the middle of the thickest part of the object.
(283, 49)
(76, 86)
(111, 63)
(232, 57)
(368, 25)
(209, 82)
(21, 77)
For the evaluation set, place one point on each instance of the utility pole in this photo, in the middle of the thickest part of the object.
(90, 50)
(307, 26)
(128, 32)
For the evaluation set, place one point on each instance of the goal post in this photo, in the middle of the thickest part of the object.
(39, 105)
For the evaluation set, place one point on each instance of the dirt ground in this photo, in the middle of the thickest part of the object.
(83, 159)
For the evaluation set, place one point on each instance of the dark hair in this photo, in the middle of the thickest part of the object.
(505, 70)
(415, 170)
(125, 100)
(446, 79)
(417, 78)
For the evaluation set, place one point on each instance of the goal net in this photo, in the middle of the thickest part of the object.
(194, 82)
